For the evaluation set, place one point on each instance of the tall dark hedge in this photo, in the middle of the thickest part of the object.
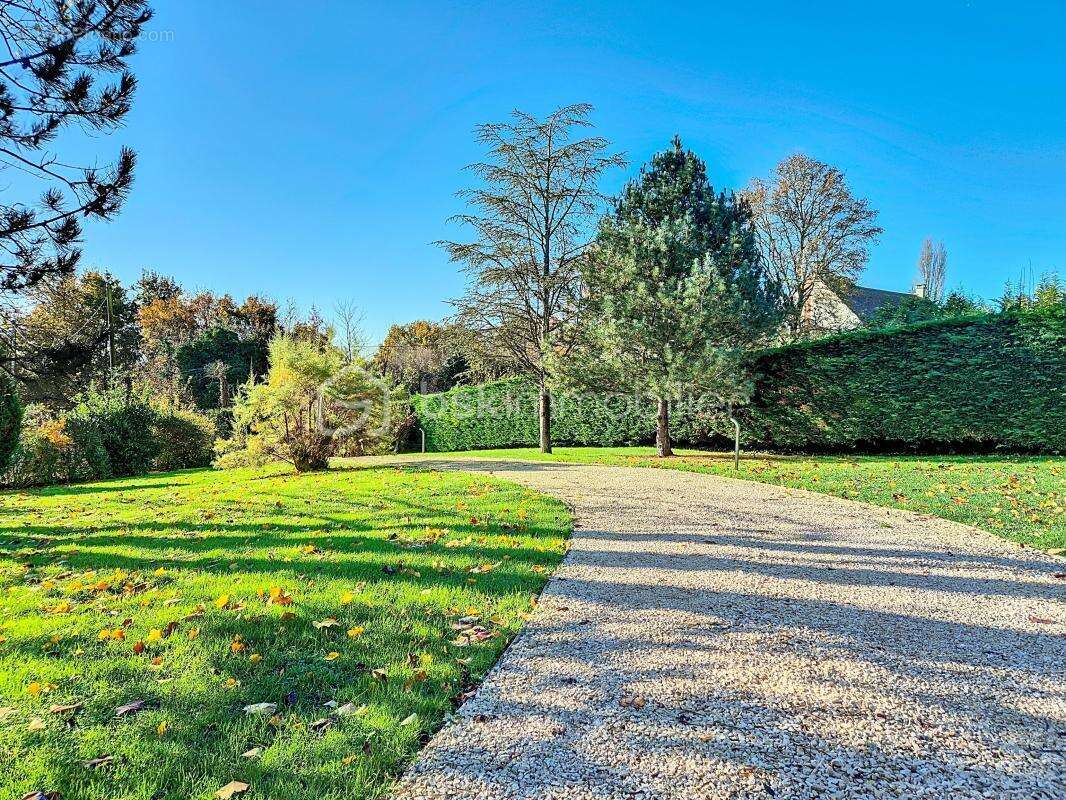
(979, 383)
(983, 382)
(504, 414)
(10, 419)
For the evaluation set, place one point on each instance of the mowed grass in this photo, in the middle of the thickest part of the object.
(381, 594)
(1018, 498)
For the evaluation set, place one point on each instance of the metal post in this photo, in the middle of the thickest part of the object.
(422, 431)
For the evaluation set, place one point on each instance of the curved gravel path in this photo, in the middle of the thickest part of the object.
(711, 638)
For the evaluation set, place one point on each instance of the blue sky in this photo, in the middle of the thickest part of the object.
(312, 150)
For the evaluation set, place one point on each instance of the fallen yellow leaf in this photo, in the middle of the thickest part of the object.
(230, 789)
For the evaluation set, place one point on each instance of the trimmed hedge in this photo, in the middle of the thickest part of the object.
(977, 383)
(504, 414)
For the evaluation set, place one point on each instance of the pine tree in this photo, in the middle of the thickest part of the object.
(64, 68)
(56, 55)
(675, 291)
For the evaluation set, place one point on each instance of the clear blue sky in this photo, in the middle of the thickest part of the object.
(312, 150)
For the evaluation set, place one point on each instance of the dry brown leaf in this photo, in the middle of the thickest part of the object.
(65, 709)
(230, 789)
(130, 708)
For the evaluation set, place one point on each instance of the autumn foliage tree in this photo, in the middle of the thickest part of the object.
(80, 331)
(422, 356)
(186, 336)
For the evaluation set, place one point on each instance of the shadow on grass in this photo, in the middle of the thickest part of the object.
(201, 683)
(781, 648)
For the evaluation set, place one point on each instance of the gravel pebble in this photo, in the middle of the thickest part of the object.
(780, 643)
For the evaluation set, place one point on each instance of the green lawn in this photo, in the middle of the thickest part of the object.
(363, 603)
(1018, 498)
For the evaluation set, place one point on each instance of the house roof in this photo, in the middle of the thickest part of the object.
(866, 302)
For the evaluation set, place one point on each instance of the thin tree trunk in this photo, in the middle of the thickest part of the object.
(545, 419)
(662, 430)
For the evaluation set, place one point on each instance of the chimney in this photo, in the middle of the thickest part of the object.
(919, 290)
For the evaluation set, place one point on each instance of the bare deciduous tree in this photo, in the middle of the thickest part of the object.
(348, 322)
(531, 220)
(932, 269)
(812, 230)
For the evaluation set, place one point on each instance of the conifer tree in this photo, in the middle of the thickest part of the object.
(529, 218)
(54, 76)
(675, 291)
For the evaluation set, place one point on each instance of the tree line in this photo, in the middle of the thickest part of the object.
(660, 290)
(663, 289)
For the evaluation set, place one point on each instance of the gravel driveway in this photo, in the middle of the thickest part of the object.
(711, 638)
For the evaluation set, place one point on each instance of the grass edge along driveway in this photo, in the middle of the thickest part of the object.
(1020, 498)
(282, 635)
